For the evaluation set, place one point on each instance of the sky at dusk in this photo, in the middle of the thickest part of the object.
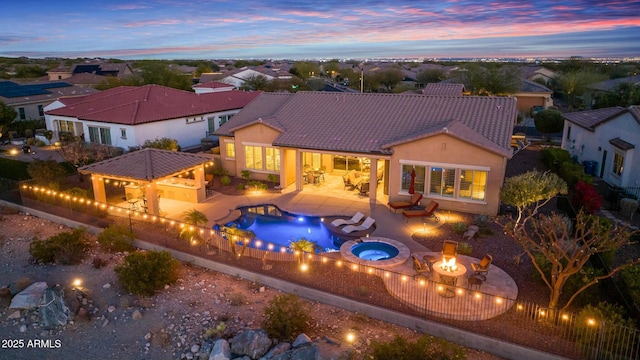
(301, 29)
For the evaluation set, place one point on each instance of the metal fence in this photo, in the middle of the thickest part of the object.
(562, 333)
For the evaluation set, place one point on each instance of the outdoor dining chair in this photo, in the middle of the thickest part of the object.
(482, 268)
(449, 249)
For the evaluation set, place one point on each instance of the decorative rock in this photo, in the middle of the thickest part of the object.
(220, 351)
(188, 356)
(309, 352)
(253, 343)
(23, 328)
(205, 349)
(106, 286)
(136, 315)
(111, 308)
(54, 312)
(29, 298)
(301, 340)
(276, 350)
(105, 322)
(331, 341)
(195, 348)
(262, 289)
(147, 336)
(14, 315)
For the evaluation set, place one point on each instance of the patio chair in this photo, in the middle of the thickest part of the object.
(366, 224)
(354, 220)
(482, 268)
(449, 249)
(399, 205)
(429, 211)
(363, 188)
(420, 267)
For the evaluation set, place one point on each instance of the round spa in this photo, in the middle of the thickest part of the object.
(375, 251)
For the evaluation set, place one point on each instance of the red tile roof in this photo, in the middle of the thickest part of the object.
(146, 164)
(131, 105)
(373, 123)
(213, 85)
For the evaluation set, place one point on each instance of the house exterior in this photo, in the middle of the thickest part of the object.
(212, 86)
(29, 100)
(127, 116)
(595, 91)
(97, 68)
(536, 72)
(530, 94)
(607, 137)
(458, 146)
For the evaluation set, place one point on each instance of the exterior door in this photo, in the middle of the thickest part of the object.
(603, 163)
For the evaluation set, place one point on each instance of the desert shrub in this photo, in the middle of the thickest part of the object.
(286, 316)
(553, 158)
(67, 248)
(273, 178)
(220, 171)
(218, 331)
(98, 262)
(481, 220)
(225, 180)
(459, 227)
(245, 174)
(116, 238)
(426, 347)
(572, 173)
(237, 299)
(258, 185)
(46, 171)
(485, 231)
(144, 272)
(464, 248)
(240, 186)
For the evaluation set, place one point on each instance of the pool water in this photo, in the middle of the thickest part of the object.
(273, 226)
(375, 251)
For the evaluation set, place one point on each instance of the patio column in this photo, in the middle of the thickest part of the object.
(373, 180)
(99, 193)
(153, 203)
(298, 170)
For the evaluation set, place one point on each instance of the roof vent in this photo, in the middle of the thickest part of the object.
(445, 129)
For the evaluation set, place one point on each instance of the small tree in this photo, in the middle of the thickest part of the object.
(163, 144)
(7, 115)
(194, 218)
(303, 246)
(549, 121)
(530, 191)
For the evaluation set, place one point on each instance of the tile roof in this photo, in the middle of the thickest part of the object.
(48, 94)
(589, 119)
(533, 87)
(621, 144)
(373, 123)
(443, 89)
(609, 85)
(131, 105)
(146, 164)
(213, 85)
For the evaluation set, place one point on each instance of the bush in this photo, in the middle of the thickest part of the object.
(67, 248)
(459, 227)
(586, 196)
(144, 272)
(572, 173)
(465, 248)
(116, 238)
(46, 171)
(286, 317)
(589, 324)
(258, 185)
(245, 174)
(631, 278)
(426, 347)
(272, 178)
(553, 158)
(225, 180)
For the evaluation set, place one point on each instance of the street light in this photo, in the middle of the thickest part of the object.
(361, 67)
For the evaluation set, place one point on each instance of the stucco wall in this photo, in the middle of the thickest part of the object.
(444, 149)
(258, 134)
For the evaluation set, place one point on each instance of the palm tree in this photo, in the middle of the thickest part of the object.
(234, 233)
(194, 218)
(303, 245)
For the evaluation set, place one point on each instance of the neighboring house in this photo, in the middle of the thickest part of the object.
(536, 72)
(127, 116)
(531, 94)
(594, 91)
(212, 86)
(457, 145)
(97, 68)
(607, 137)
(29, 100)
(442, 88)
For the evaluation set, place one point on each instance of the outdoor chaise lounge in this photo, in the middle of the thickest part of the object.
(428, 211)
(398, 205)
(366, 224)
(354, 220)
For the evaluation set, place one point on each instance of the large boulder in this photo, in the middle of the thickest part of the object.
(276, 350)
(253, 343)
(220, 351)
(30, 297)
(53, 311)
(307, 352)
(301, 340)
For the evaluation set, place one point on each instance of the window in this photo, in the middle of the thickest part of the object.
(211, 125)
(22, 115)
(253, 157)
(40, 110)
(569, 132)
(224, 119)
(473, 184)
(230, 149)
(123, 133)
(442, 181)
(419, 180)
(257, 159)
(65, 126)
(618, 164)
(99, 135)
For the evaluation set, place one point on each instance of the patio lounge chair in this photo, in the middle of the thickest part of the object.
(429, 211)
(482, 268)
(366, 224)
(420, 267)
(449, 249)
(398, 205)
(354, 220)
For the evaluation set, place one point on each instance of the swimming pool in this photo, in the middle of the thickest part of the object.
(276, 229)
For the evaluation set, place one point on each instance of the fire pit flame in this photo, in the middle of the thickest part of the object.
(449, 264)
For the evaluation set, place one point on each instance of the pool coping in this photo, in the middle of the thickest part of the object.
(401, 258)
